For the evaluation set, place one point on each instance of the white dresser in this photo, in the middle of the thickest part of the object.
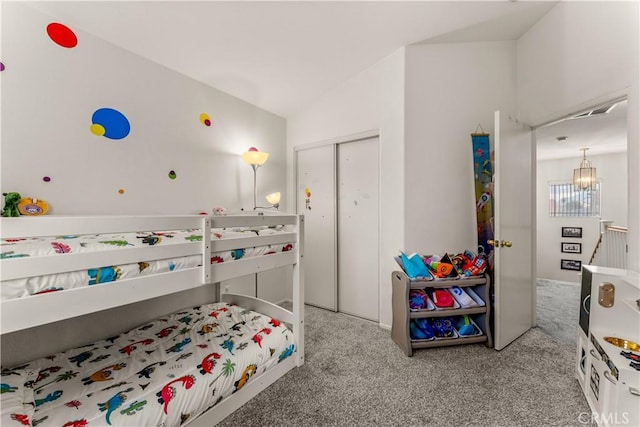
(609, 309)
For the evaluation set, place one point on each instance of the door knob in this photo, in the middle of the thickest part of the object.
(500, 244)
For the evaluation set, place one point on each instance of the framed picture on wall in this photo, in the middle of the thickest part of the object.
(571, 248)
(572, 232)
(570, 264)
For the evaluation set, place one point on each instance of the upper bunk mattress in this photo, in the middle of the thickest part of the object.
(60, 245)
(165, 372)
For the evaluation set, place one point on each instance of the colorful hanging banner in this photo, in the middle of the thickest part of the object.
(483, 172)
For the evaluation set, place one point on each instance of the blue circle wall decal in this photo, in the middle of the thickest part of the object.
(110, 123)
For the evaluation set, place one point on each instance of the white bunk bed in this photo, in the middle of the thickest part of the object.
(20, 314)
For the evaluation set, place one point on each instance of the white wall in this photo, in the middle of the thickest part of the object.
(373, 99)
(450, 89)
(49, 94)
(577, 55)
(612, 171)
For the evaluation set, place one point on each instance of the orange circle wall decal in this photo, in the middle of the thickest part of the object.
(62, 35)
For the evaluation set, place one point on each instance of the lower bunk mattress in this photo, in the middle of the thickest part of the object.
(163, 373)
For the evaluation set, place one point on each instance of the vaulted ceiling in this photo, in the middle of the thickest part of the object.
(281, 56)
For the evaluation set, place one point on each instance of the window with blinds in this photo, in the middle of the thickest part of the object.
(565, 201)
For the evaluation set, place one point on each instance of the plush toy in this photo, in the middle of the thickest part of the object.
(418, 299)
(443, 328)
(31, 206)
(219, 210)
(465, 327)
(11, 201)
(414, 266)
(420, 329)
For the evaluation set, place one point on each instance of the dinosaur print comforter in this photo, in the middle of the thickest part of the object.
(162, 373)
(60, 245)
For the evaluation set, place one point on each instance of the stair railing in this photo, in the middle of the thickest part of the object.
(611, 249)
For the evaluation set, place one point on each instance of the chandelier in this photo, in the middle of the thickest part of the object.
(584, 177)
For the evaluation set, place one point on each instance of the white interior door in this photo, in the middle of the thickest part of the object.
(316, 173)
(358, 228)
(514, 285)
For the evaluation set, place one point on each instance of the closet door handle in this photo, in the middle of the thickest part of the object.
(584, 303)
(607, 375)
(634, 391)
(595, 355)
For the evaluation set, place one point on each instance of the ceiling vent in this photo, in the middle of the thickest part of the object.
(596, 111)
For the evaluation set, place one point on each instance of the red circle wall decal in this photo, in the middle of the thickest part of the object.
(62, 35)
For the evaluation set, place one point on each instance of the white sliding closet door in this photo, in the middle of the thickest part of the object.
(316, 172)
(358, 212)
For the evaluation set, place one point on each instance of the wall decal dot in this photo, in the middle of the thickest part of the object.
(97, 130)
(121, 191)
(109, 123)
(46, 179)
(62, 35)
(172, 175)
(1, 66)
(205, 120)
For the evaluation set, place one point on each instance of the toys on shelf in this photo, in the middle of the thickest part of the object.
(465, 327)
(419, 300)
(415, 266)
(430, 267)
(420, 329)
(439, 328)
(442, 298)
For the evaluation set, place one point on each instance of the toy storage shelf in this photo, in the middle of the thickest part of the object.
(402, 315)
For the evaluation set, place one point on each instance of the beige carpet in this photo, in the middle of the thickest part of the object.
(558, 309)
(356, 376)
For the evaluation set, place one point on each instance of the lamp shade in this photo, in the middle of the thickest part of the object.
(584, 177)
(274, 198)
(254, 157)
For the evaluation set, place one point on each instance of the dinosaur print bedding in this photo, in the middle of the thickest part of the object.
(162, 373)
(60, 245)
